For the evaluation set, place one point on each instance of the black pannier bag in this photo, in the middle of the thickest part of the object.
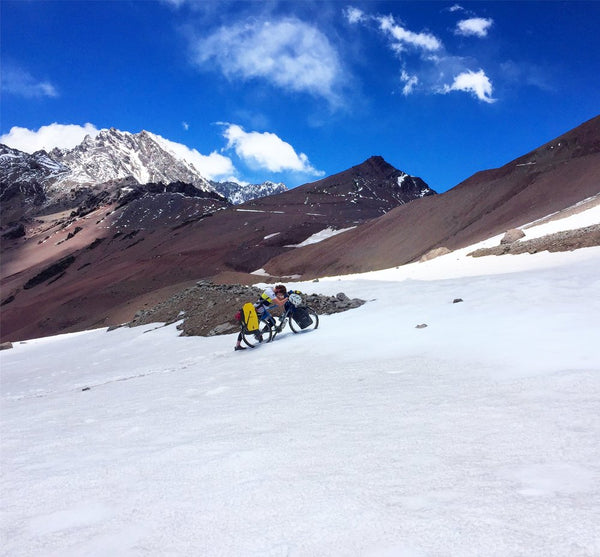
(302, 317)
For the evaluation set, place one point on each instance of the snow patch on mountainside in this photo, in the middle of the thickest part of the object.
(320, 236)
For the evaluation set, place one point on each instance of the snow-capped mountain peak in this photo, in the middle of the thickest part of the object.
(237, 193)
(114, 154)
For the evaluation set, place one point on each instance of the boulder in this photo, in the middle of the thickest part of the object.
(512, 236)
(432, 254)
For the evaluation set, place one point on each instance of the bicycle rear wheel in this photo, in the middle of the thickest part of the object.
(254, 338)
(314, 321)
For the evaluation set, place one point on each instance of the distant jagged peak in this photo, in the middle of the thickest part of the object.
(241, 193)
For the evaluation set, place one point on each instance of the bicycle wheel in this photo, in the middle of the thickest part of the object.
(254, 338)
(314, 321)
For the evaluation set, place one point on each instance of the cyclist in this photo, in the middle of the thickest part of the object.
(271, 297)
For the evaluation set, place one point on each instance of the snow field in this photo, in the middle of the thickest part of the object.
(476, 435)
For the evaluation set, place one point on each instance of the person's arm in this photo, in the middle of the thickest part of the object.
(279, 301)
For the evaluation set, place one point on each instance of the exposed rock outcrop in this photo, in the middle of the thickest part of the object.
(560, 241)
(432, 254)
(208, 309)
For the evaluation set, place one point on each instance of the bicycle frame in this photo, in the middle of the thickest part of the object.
(283, 319)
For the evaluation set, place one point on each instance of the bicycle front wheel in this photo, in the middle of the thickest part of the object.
(254, 338)
(314, 321)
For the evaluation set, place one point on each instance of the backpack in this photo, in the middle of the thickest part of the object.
(302, 317)
(249, 317)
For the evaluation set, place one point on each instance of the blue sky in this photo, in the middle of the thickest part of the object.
(294, 91)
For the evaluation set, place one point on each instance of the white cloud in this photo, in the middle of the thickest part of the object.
(267, 151)
(354, 15)
(475, 26)
(427, 66)
(410, 82)
(18, 82)
(288, 53)
(476, 83)
(64, 136)
(402, 37)
(213, 167)
(185, 126)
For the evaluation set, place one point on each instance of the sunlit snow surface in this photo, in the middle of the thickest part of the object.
(320, 236)
(478, 435)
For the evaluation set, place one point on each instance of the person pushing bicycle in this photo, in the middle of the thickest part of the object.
(271, 297)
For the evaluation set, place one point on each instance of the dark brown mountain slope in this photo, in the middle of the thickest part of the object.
(81, 269)
(360, 193)
(553, 177)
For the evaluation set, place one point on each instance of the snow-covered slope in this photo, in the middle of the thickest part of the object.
(477, 434)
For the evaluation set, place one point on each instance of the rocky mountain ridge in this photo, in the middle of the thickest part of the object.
(19, 167)
(110, 157)
(237, 194)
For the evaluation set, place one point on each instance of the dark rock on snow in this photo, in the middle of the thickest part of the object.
(568, 240)
(208, 309)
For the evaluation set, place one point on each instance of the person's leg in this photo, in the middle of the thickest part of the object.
(238, 344)
(267, 317)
